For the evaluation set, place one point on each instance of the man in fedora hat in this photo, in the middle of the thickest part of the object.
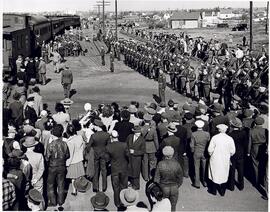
(66, 81)
(35, 200)
(81, 184)
(130, 197)
(172, 140)
(257, 148)
(240, 138)
(38, 103)
(37, 162)
(56, 155)
(102, 54)
(136, 147)
(169, 179)
(99, 140)
(118, 156)
(220, 149)
(198, 143)
(100, 201)
(149, 133)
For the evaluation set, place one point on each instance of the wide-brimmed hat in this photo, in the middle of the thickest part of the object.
(35, 196)
(259, 120)
(217, 107)
(16, 153)
(199, 123)
(248, 113)
(129, 196)
(162, 104)
(171, 127)
(98, 123)
(132, 109)
(82, 184)
(263, 108)
(147, 117)
(236, 122)
(137, 129)
(30, 142)
(188, 116)
(151, 111)
(168, 151)
(100, 200)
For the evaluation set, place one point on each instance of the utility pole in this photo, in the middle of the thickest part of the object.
(250, 21)
(267, 11)
(116, 20)
(103, 4)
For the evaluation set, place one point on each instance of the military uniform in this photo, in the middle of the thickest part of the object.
(162, 86)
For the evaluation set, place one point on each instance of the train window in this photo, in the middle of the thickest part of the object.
(16, 19)
(22, 39)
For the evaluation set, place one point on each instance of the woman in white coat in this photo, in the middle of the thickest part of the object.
(220, 149)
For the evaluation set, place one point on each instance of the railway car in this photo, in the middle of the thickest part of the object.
(16, 40)
(41, 30)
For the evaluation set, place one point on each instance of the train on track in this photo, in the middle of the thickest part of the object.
(24, 34)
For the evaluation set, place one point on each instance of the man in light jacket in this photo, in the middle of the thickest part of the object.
(220, 149)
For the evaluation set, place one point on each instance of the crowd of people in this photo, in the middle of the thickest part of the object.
(163, 142)
(200, 69)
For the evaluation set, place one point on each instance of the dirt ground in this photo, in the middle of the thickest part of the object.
(96, 84)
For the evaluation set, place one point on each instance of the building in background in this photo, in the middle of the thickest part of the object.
(184, 20)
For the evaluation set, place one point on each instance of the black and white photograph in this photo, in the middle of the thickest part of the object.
(135, 105)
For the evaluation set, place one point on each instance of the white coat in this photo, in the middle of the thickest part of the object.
(221, 148)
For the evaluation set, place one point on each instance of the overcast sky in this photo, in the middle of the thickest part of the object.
(123, 5)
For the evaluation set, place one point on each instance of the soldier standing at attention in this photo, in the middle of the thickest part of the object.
(102, 54)
(111, 61)
(161, 85)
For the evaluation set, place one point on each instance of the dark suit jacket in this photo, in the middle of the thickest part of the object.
(16, 109)
(118, 154)
(124, 129)
(66, 77)
(30, 114)
(135, 159)
(216, 121)
(182, 134)
(98, 141)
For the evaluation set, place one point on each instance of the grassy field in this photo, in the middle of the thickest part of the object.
(224, 34)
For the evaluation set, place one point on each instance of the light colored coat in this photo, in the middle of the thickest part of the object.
(37, 162)
(42, 67)
(76, 146)
(221, 148)
(38, 104)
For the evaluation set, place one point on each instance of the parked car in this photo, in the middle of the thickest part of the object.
(223, 25)
(240, 27)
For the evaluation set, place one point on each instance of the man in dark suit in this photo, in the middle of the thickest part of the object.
(118, 154)
(16, 109)
(182, 134)
(29, 111)
(136, 147)
(124, 127)
(66, 81)
(31, 71)
(240, 138)
(172, 141)
(218, 118)
(99, 141)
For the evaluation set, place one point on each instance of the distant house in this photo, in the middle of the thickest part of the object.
(229, 14)
(166, 16)
(210, 17)
(184, 20)
(157, 18)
